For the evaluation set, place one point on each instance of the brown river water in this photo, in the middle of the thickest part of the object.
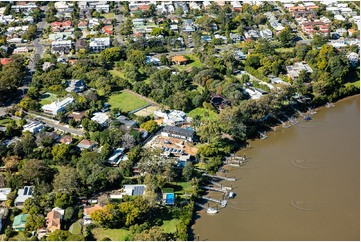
(301, 183)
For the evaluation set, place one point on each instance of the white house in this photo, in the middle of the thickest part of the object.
(254, 93)
(266, 34)
(116, 157)
(23, 194)
(100, 118)
(102, 8)
(34, 127)
(99, 44)
(55, 107)
(353, 58)
(173, 118)
(4, 193)
(130, 190)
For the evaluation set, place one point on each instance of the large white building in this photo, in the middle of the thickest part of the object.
(55, 107)
(99, 44)
(34, 127)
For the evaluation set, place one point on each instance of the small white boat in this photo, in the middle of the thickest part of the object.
(329, 105)
(212, 210)
(230, 194)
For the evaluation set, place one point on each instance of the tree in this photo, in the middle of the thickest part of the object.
(188, 171)
(62, 235)
(128, 141)
(66, 181)
(63, 200)
(25, 146)
(285, 37)
(136, 57)
(69, 213)
(36, 171)
(61, 153)
(34, 222)
(130, 212)
(153, 234)
(30, 33)
(151, 126)
(11, 163)
(231, 122)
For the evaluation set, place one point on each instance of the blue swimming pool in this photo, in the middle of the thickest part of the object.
(169, 198)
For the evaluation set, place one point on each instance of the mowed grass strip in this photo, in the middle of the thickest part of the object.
(48, 98)
(126, 101)
(205, 114)
(113, 234)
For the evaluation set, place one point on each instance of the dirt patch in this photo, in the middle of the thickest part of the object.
(146, 111)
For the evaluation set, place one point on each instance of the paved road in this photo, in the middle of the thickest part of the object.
(55, 124)
(38, 48)
(120, 19)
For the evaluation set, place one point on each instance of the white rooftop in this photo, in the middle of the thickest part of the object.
(100, 118)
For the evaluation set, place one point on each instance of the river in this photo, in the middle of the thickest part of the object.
(301, 183)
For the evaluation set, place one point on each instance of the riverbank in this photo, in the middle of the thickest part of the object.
(312, 166)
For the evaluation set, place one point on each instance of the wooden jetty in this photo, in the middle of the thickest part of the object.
(220, 177)
(223, 203)
(263, 135)
(221, 186)
(223, 190)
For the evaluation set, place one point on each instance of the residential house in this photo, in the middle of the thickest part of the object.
(34, 127)
(87, 211)
(116, 157)
(254, 93)
(351, 32)
(108, 30)
(3, 194)
(173, 118)
(176, 132)
(67, 139)
(353, 58)
(19, 222)
(102, 8)
(127, 123)
(77, 116)
(5, 61)
(55, 107)
(100, 118)
(251, 34)
(76, 86)
(266, 34)
(152, 60)
(23, 194)
(236, 6)
(99, 44)
(313, 27)
(61, 46)
(24, 7)
(235, 37)
(179, 60)
(53, 219)
(21, 50)
(277, 80)
(239, 55)
(341, 31)
(219, 101)
(206, 38)
(86, 144)
(93, 22)
(130, 190)
(294, 70)
(83, 24)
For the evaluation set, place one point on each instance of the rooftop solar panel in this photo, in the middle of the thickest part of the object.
(138, 191)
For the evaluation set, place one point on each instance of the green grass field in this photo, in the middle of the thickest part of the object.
(75, 228)
(108, 15)
(204, 113)
(48, 98)
(116, 73)
(284, 50)
(195, 62)
(4, 122)
(113, 234)
(169, 226)
(126, 101)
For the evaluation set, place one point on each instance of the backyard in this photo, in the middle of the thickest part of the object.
(113, 234)
(48, 98)
(126, 101)
(203, 113)
(194, 62)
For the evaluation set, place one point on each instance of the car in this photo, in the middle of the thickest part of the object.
(167, 142)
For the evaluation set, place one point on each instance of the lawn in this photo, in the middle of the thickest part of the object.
(181, 187)
(117, 73)
(108, 15)
(113, 234)
(169, 226)
(195, 62)
(75, 228)
(48, 98)
(204, 113)
(126, 101)
(284, 50)
(4, 122)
